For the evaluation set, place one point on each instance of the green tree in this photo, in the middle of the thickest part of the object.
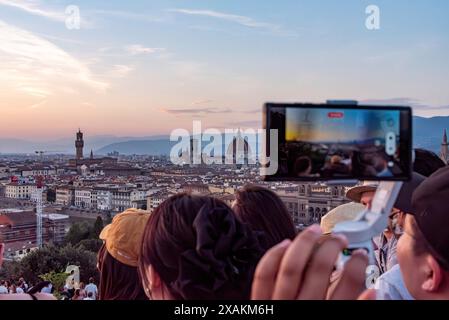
(86, 260)
(92, 245)
(77, 232)
(98, 226)
(108, 218)
(53, 259)
(57, 279)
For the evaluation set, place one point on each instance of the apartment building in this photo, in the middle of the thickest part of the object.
(65, 196)
(83, 198)
(17, 190)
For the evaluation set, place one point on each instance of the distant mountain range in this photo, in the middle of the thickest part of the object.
(67, 145)
(152, 147)
(428, 133)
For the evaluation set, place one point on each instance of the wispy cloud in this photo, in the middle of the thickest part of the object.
(246, 124)
(201, 102)
(38, 105)
(255, 110)
(127, 15)
(33, 65)
(137, 49)
(194, 111)
(88, 104)
(241, 20)
(120, 71)
(37, 8)
(34, 7)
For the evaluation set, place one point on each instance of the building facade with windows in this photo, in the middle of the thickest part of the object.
(19, 190)
(307, 203)
(65, 196)
(83, 198)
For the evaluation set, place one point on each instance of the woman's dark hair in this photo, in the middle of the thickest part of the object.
(117, 280)
(199, 249)
(265, 212)
(427, 162)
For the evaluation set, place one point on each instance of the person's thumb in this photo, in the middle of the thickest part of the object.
(369, 294)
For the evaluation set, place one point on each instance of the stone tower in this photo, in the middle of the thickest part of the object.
(79, 144)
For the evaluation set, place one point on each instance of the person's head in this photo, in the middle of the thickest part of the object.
(91, 280)
(335, 160)
(364, 193)
(264, 211)
(423, 249)
(82, 285)
(378, 162)
(403, 204)
(367, 197)
(195, 248)
(303, 166)
(77, 292)
(119, 255)
(427, 162)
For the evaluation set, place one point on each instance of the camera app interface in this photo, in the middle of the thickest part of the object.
(346, 143)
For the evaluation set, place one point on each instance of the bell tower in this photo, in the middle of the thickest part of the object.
(79, 144)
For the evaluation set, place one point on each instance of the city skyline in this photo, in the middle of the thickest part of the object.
(140, 69)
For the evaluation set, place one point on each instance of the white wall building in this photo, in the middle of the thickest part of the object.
(83, 198)
(121, 200)
(19, 190)
(104, 199)
(65, 196)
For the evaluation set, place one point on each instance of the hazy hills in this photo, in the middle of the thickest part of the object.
(428, 133)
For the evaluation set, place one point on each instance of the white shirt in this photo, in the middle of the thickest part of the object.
(46, 289)
(88, 298)
(91, 287)
(19, 290)
(390, 286)
(3, 290)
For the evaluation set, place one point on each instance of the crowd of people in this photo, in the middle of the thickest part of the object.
(195, 247)
(12, 287)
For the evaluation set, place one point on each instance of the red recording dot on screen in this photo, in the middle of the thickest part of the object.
(335, 115)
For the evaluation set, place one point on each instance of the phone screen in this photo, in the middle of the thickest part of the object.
(325, 142)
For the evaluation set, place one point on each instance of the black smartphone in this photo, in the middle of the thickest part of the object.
(324, 142)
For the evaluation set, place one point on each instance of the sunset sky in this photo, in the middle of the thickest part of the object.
(139, 68)
(326, 125)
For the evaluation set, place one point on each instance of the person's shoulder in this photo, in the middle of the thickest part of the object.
(44, 296)
(390, 286)
(24, 296)
(391, 277)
